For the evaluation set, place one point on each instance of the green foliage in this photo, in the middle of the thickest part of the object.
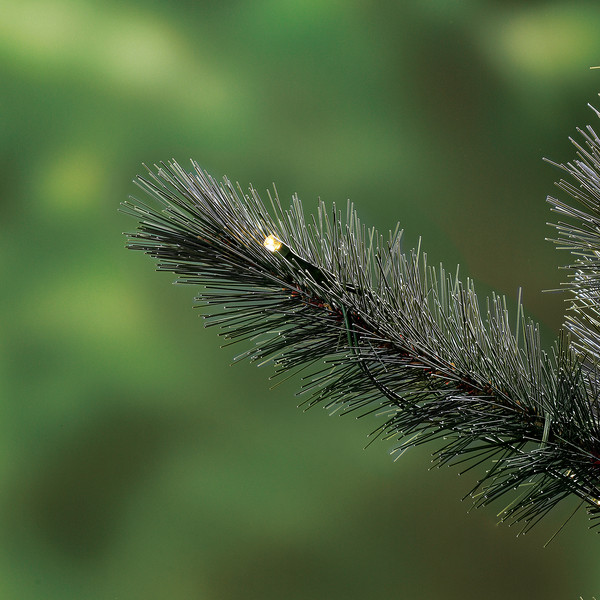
(375, 330)
(581, 236)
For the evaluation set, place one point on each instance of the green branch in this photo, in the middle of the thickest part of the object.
(375, 330)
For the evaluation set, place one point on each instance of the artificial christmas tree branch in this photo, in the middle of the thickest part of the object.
(374, 330)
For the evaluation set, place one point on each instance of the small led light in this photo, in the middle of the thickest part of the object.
(272, 243)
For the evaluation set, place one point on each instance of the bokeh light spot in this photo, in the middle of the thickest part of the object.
(548, 43)
(70, 181)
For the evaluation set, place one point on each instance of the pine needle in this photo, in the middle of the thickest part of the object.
(381, 333)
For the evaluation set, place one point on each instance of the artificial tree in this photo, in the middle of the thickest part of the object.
(371, 329)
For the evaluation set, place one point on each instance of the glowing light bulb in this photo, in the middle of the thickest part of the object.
(272, 243)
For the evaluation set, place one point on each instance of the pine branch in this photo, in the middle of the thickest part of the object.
(581, 236)
(374, 330)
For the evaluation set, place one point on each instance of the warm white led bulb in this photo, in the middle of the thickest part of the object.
(272, 243)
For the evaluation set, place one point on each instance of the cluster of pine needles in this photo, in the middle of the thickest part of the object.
(373, 330)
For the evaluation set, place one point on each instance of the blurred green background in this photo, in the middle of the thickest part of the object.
(135, 463)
